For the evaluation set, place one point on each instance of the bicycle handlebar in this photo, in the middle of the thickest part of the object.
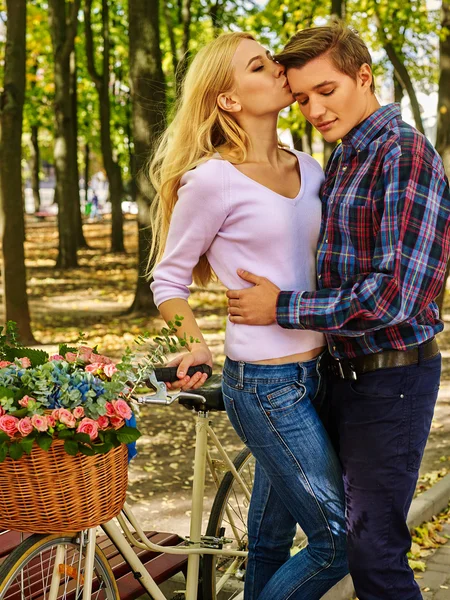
(169, 374)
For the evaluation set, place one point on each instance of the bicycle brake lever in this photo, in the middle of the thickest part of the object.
(160, 396)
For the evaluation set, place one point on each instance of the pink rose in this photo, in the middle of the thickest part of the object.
(88, 426)
(71, 357)
(78, 412)
(103, 422)
(25, 362)
(56, 357)
(122, 409)
(109, 370)
(110, 412)
(39, 422)
(84, 353)
(99, 358)
(51, 420)
(116, 422)
(55, 414)
(25, 426)
(25, 400)
(4, 363)
(8, 424)
(93, 368)
(66, 417)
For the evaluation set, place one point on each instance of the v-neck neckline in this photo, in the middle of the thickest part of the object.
(285, 198)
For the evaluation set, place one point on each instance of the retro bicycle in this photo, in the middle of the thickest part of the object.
(74, 566)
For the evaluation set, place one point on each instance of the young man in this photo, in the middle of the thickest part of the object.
(381, 260)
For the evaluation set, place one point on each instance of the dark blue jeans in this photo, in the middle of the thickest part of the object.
(380, 424)
(298, 479)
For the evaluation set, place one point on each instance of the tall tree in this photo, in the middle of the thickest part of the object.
(102, 83)
(63, 30)
(81, 241)
(148, 120)
(443, 117)
(180, 51)
(443, 120)
(12, 227)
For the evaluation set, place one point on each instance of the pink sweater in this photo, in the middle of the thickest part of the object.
(239, 223)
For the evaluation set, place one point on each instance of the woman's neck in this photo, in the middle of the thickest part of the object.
(263, 136)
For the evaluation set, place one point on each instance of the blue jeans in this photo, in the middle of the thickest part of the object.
(380, 424)
(298, 479)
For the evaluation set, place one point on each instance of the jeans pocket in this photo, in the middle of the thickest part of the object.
(421, 408)
(281, 399)
(232, 413)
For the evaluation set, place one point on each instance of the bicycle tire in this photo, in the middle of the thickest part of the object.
(217, 520)
(19, 572)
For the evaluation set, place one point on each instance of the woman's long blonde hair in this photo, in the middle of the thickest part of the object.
(199, 129)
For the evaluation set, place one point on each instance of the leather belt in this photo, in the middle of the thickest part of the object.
(350, 368)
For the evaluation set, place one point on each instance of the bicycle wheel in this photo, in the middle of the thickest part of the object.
(223, 575)
(27, 572)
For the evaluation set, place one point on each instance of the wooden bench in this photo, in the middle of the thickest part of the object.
(160, 566)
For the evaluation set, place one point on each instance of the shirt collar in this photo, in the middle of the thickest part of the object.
(360, 136)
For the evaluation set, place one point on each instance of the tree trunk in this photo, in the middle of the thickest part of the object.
(398, 89)
(186, 26)
(297, 139)
(308, 138)
(443, 121)
(148, 120)
(35, 167)
(12, 226)
(81, 241)
(401, 73)
(338, 8)
(102, 80)
(63, 36)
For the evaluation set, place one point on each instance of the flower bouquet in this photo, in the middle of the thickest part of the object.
(65, 421)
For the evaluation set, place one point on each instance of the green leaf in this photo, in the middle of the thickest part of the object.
(102, 448)
(86, 450)
(71, 447)
(4, 437)
(3, 451)
(6, 392)
(44, 441)
(37, 357)
(27, 444)
(82, 437)
(64, 348)
(22, 412)
(66, 434)
(15, 451)
(126, 435)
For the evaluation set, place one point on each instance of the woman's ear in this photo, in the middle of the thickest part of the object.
(228, 103)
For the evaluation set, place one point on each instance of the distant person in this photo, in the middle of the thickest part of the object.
(95, 206)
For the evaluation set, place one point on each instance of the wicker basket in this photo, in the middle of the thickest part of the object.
(53, 492)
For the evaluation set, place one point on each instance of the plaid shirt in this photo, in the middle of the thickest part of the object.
(384, 242)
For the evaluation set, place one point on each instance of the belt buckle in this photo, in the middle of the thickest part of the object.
(352, 373)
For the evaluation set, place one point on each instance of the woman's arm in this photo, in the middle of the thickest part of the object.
(199, 352)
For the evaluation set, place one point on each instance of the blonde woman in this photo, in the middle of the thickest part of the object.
(229, 196)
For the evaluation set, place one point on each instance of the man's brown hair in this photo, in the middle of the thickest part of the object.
(343, 45)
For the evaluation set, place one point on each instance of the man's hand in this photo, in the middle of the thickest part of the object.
(256, 305)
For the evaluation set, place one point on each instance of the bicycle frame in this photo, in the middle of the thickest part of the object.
(124, 539)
